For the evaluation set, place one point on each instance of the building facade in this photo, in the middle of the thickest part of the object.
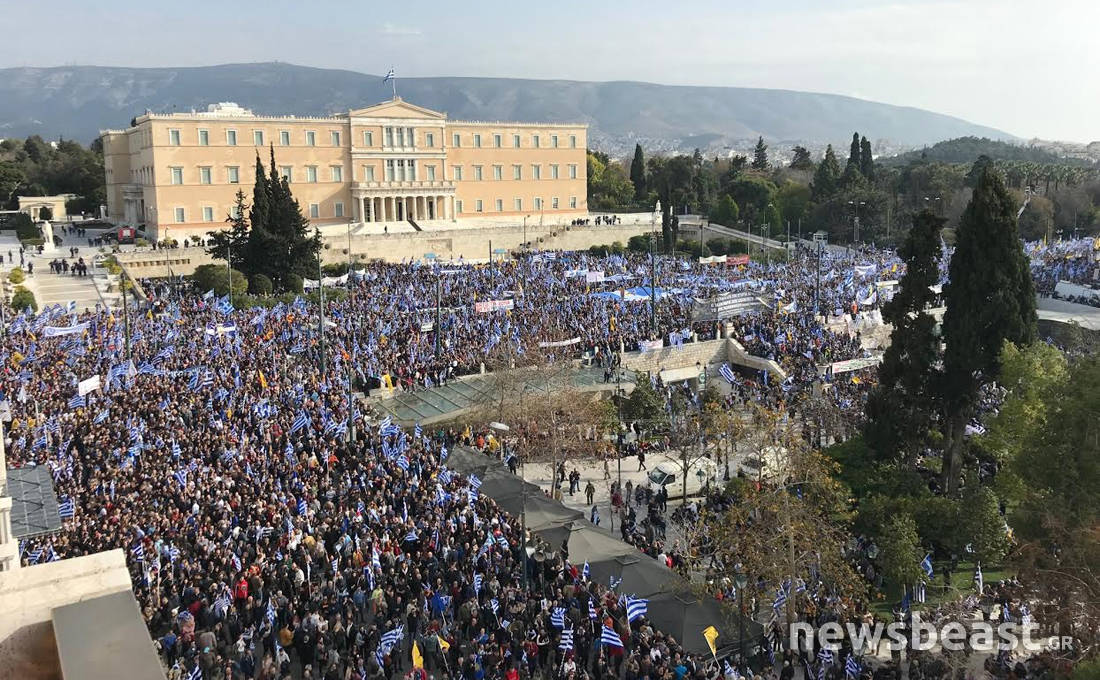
(178, 174)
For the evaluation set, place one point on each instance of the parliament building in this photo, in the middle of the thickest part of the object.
(177, 174)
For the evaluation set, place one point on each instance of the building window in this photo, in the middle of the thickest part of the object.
(517, 172)
(572, 171)
(553, 171)
(389, 170)
(536, 141)
(335, 136)
(498, 172)
(337, 173)
(457, 171)
(311, 174)
(233, 174)
(207, 214)
(180, 215)
(174, 137)
(257, 137)
(515, 141)
(477, 142)
(497, 141)
(554, 141)
(412, 169)
(311, 138)
(538, 203)
(572, 141)
(429, 139)
(338, 209)
(401, 136)
(287, 173)
(387, 137)
(204, 176)
(517, 204)
(368, 173)
(204, 137)
(477, 173)
(536, 172)
(573, 202)
(401, 169)
(431, 172)
(411, 138)
(554, 203)
(284, 137)
(500, 205)
(177, 175)
(368, 138)
(458, 206)
(231, 137)
(314, 211)
(456, 142)
(477, 205)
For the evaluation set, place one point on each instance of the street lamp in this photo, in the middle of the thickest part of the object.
(741, 580)
(934, 201)
(856, 205)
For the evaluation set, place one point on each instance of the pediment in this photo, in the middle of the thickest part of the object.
(396, 108)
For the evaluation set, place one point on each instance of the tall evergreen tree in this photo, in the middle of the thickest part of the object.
(801, 159)
(901, 408)
(866, 160)
(990, 299)
(637, 173)
(826, 176)
(853, 153)
(760, 155)
(233, 242)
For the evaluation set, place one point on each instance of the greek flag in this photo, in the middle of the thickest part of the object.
(418, 431)
(477, 583)
(223, 305)
(610, 637)
(825, 656)
(390, 75)
(584, 571)
(196, 673)
(290, 457)
(926, 565)
(557, 617)
(173, 553)
(67, 508)
(1025, 614)
(566, 639)
(475, 483)
(851, 667)
(138, 551)
(176, 449)
(222, 602)
(270, 614)
(979, 580)
(636, 608)
(592, 610)
(302, 507)
(613, 584)
(411, 536)
(392, 637)
(403, 462)
(236, 562)
(727, 373)
(494, 605)
(78, 401)
(780, 599)
(300, 422)
(181, 477)
(384, 424)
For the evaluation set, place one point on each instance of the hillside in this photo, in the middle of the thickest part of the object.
(78, 101)
(967, 150)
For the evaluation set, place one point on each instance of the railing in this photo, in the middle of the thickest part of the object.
(408, 184)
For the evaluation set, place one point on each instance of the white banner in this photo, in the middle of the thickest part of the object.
(560, 343)
(493, 305)
(854, 364)
(593, 276)
(650, 345)
(89, 385)
(56, 331)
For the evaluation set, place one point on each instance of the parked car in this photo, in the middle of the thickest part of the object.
(669, 473)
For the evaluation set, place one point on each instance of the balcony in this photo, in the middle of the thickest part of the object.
(403, 185)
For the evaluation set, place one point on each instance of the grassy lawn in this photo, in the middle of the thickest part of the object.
(962, 584)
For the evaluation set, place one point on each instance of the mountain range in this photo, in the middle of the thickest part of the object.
(78, 101)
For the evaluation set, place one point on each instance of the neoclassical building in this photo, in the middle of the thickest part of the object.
(179, 173)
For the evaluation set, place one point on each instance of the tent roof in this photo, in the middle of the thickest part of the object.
(684, 615)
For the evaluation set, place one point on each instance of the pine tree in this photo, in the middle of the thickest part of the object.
(866, 160)
(760, 155)
(853, 153)
(826, 176)
(900, 409)
(990, 299)
(232, 242)
(637, 173)
(802, 159)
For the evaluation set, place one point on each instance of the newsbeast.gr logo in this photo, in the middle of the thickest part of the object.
(955, 636)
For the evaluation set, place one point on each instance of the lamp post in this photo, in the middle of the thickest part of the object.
(741, 581)
(856, 205)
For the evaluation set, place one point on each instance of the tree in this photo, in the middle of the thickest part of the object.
(752, 193)
(637, 173)
(990, 299)
(793, 200)
(727, 212)
(23, 298)
(901, 407)
(774, 219)
(233, 242)
(866, 160)
(984, 528)
(609, 188)
(215, 277)
(801, 159)
(901, 551)
(644, 404)
(760, 155)
(1037, 220)
(826, 176)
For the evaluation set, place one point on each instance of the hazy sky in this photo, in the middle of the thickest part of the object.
(1029, 68)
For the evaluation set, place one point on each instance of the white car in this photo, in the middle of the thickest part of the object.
(670, 474)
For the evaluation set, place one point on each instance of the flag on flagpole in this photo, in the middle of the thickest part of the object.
(610, 637)
(636, 608)
(417, 657)
(711, 635)
(926, 565)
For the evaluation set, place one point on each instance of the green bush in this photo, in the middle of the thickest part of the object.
(260, 285)
(24, 226)
(638, 244)
(335, 269)
(141, 242)
(17, 276)
(22, 299)
(214, 277)
(293, 283)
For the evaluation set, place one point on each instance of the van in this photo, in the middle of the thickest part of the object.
(669, 474)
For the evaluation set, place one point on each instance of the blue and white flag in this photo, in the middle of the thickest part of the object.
(610, 637)
(138, 551)
(78, 401)
(557, 617)
(636, 608)
(566, 639)
(727, 373)
(926, 565)
(390, 75)
(584, 571)
(852, 668)
(302, 507)
(299, 423)
(67, 508)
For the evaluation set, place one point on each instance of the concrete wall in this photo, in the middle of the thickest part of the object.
(690, 353)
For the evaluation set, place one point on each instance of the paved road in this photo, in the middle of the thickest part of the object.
(1069, 312)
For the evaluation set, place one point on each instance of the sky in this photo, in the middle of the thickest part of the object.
(1028, 68)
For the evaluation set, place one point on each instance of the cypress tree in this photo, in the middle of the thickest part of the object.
(990, 299)
(637, 173)
(900, 409)
(826, 176)
(853, 153)
(760, 155)
(866, 160)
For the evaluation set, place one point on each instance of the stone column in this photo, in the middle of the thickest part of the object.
(451, 208)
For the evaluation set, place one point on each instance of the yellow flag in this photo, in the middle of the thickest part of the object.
(443, 644)
(418, 658)
(263, 381)
(856, 380)
(711, 634)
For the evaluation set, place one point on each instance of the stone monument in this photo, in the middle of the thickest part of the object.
(47, 234)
